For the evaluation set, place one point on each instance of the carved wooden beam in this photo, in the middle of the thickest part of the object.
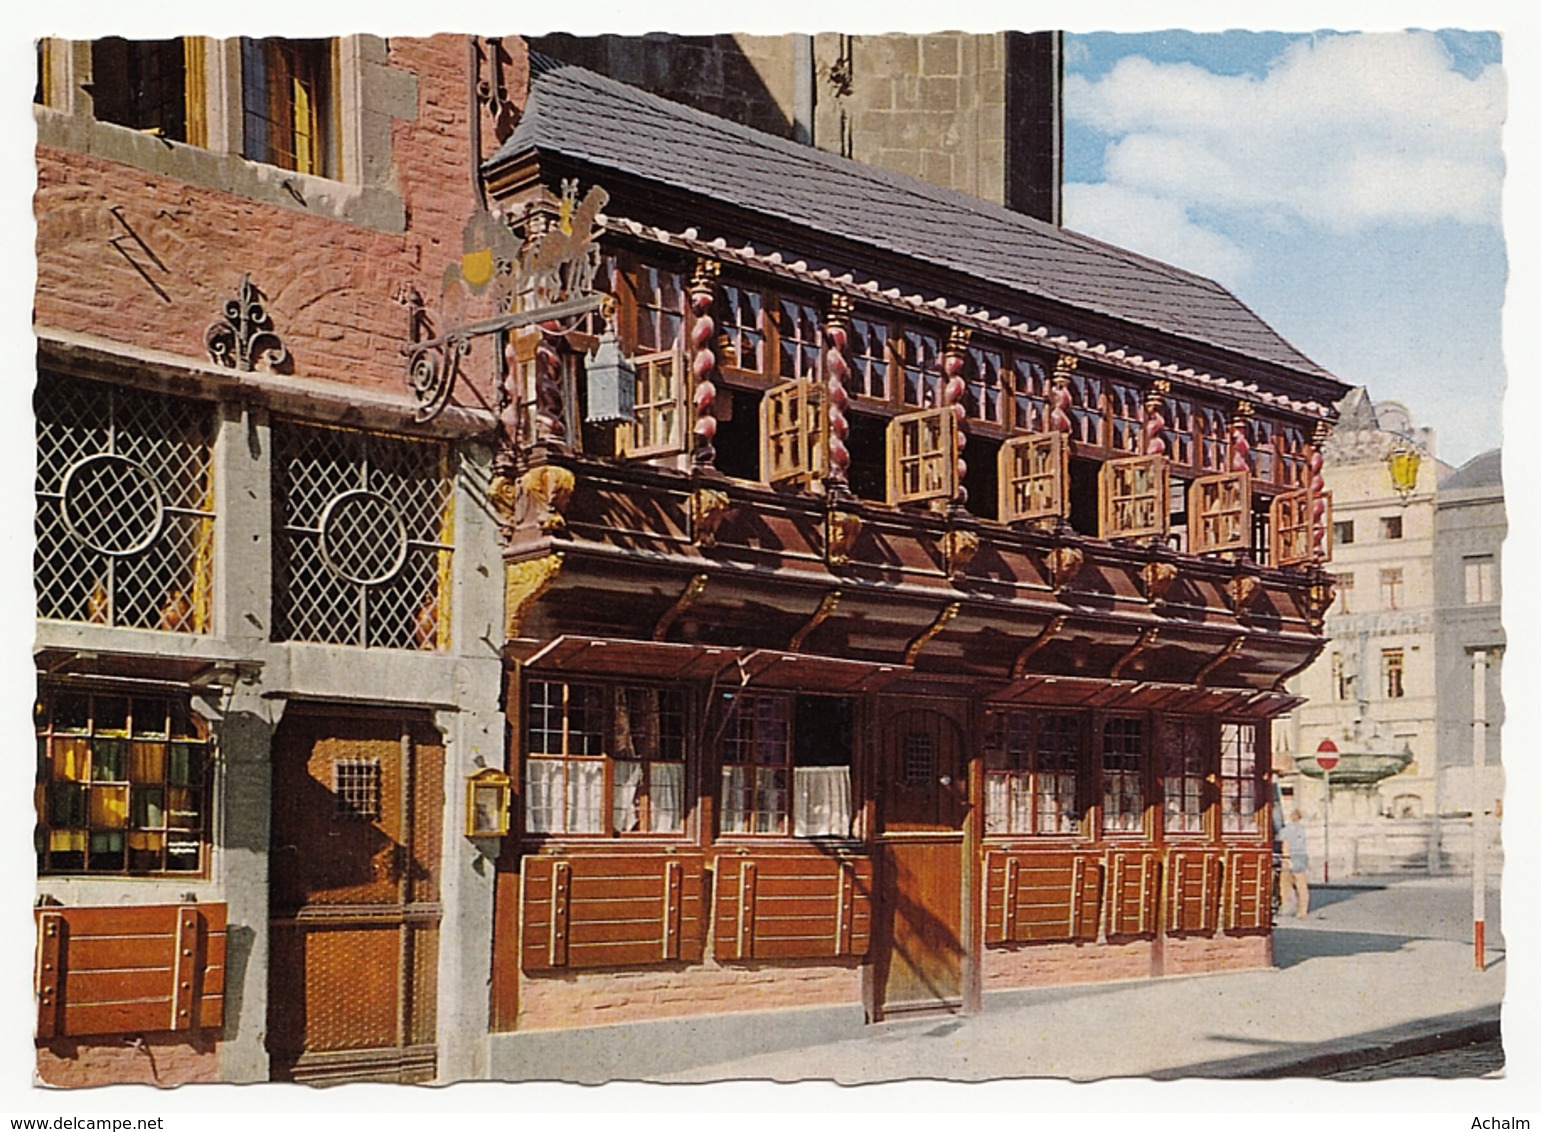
(820, 615)
(1050, 631)
(1233, 646)
(1146, 639)
(693, 589)
(523, 584)
(942, 620)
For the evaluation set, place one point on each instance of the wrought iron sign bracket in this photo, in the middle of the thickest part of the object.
(433, 364)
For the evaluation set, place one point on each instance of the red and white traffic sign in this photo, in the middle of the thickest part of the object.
(1326, 754)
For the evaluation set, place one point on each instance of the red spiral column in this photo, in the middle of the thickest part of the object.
(1151, 442)
(1318, 485)
(703, 360)
(1059, 394)
(837, 371)
(510, 401)
(550, 423)
(953, 359)
(1241, 447)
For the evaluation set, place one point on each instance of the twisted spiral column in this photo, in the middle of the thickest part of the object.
(953, 388)
(837, 371)
(510, 417)
(703, 360)
(1241, 447)
(549, 425)
(1318, 484)
(1151, 443)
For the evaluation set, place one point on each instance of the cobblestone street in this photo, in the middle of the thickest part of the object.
(1477, 1060)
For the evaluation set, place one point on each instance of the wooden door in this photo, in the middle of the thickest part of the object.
(353, 898)
(922, 796)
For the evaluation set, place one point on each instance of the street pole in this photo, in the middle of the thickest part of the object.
(1479, 806)
(1327, 830)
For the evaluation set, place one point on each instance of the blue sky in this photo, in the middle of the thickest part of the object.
(1347, 187)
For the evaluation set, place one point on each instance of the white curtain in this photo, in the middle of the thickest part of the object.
(734, 816)
(626, 807)
(543, 795)
(821, 801)
(666, 793)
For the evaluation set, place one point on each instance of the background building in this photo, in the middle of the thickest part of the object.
(1469, 529)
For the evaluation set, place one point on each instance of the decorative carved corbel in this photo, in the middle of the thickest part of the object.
(1146, 639)
(523, 584)
(942, 620)
(693, 589)
(1318, 600)
(1065, 563)
(820, 615)
(1232, 647)
(1156, 579)
(840, 531)
(958, 549)
(1242, 590)
(538, 498)
(708, 508)
(1050, 631)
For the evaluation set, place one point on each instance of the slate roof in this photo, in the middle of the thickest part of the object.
(1485, 470)
(586, 116)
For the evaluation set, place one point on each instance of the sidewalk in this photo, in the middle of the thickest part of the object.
(1377, 971)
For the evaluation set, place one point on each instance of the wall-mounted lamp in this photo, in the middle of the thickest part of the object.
(1403, 464)
(487, 804)
(612, 383)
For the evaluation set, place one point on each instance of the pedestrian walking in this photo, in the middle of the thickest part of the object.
(1296, 862)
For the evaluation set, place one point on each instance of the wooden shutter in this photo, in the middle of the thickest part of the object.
(1133, 892)
(922, 456)
(1289, 520)
(129, 969)
(1220, 513)
(1134, 497)
(779, 906)
(1193, 891)
(1034, 897)
(659, 427)
(609, 910)
(1034, 477)
(1248, 889)
(794, 433)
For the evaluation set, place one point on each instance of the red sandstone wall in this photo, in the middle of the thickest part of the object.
(329, 286)
(599, 998)
(1196, 955)
(1062, 964)
(157, 1059)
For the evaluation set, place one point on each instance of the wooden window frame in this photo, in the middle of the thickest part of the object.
(659, 427)
(1341, 531)
(298, 103)
(606, 700)
(1121, 496)
(796, 358)
(1194, 786)
(107, 803)
(1391, 583)
(1344, 584)
(977, 392)
(1047, 478)
(740, 733)
(1033, 766)
(1240, 778)
(1291, 527)
(926, 372)
(1229, 521)
(1125, 416)
(1214, 442)
(734, 331)
(1029, 393)
(1112, 745)
(1089, 410)
(794, 423)
(875, 369)
(1181, 416)
(925, 459)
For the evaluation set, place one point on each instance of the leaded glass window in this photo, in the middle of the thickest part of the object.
(125, 507)
(363, 538)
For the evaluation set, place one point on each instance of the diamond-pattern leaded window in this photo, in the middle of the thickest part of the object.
(125, 507)
(364, 527)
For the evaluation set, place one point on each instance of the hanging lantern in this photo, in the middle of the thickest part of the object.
(1403, 463)
(487, 798)
(612, 383)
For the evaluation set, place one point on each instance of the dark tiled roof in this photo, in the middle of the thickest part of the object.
(1485, 470)
(586, 116)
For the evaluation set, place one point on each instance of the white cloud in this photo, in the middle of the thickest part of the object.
(1158, 226)
(1343, 132)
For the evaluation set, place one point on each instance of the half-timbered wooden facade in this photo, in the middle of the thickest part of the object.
(919, 634)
